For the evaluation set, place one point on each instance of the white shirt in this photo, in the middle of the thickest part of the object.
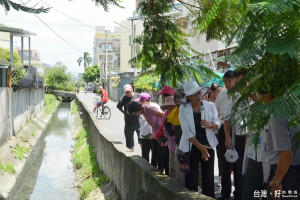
(237, 127)
(252, 152)
(222, 104)
(145, 128)
(187, 123)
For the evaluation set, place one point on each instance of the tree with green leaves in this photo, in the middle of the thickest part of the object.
(18, 72)
(268, 36)
(146, 82)
(7, 4)
(106, 3)
(164, 46)
(91, 74)
(268, 44)
(57, 78)
(87, 59)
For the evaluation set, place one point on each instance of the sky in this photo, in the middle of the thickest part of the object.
(80, 37)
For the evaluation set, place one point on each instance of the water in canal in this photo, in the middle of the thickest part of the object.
(48, 172)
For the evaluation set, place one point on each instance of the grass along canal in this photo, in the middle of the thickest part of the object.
(38, 164)
(91, 182)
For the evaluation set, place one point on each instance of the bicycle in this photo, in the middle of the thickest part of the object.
(106, 112)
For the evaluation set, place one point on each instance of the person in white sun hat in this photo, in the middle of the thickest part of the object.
(199, 122)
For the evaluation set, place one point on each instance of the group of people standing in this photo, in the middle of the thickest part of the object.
(194, 121)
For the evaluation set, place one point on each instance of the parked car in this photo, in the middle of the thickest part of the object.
(91, 87)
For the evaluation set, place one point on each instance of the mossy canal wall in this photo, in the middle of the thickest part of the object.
(132, 176)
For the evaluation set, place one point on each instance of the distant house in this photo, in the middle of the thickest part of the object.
(7, 35)
(34, 57)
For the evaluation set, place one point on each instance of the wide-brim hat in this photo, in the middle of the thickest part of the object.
(169, 101)
(191, 88)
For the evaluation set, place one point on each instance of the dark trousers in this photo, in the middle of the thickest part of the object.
(253, 179)
(290, 182)
(207, 172)
(146, 147)
(165, 159)
(219, 155)
(157, 157)
(240, 142)
(129, 131)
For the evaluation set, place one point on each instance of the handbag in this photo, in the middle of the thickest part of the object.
(232, 155)
(184, 161)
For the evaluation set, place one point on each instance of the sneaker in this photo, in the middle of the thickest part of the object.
(219, 182)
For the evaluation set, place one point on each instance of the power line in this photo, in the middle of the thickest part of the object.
(54, 31)
(79, 25)
(33, 22)
(71, 17)
(65, 54)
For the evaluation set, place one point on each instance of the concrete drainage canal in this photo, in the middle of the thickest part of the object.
(48, 172)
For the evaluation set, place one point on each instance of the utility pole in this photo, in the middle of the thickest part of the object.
(106, 56)
(98, 61)
(132, 44)
(134, 52)
(109, 81)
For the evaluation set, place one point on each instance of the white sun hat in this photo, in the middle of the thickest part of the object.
(191, 88)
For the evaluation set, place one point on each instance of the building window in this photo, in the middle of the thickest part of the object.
(109, 46)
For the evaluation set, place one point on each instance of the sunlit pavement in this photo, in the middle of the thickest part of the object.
(115, 126)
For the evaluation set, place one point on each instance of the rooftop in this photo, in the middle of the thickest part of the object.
(15, 31)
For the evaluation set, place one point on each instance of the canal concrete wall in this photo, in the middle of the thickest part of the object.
(17, 107)
(26, 103)
(132, 176)
(6, 122)
(31, 134)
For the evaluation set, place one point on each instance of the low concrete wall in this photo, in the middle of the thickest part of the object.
(133, 177)
(6, 122)
(17, 107)
(26, 103)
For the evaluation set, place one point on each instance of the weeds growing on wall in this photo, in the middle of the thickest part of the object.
(85, 160)
(74, 108)
(34, 124)
(20, 151)
(49, 103)
(7, 167)
(33, 133)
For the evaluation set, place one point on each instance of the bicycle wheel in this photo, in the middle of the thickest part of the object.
(106, 112)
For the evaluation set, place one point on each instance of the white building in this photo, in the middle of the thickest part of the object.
(107, 43)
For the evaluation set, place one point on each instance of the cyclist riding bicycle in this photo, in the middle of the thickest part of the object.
(104, 99)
